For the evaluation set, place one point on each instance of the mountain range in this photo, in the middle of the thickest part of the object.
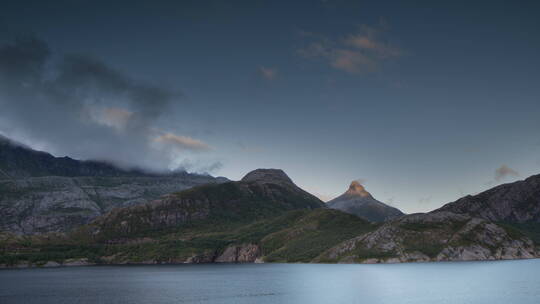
(132, 218)
(517, 202)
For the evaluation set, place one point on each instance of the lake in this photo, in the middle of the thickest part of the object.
(442, 283)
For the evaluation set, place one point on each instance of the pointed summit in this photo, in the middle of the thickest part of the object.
(356, 200)
(356, 189)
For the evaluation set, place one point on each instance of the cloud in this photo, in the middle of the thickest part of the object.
(363, 51)
(200, 166)
(368, 40)
(267, 73)
(79, 106)
(352, 61)
(182, 142)
(503, 172)
(112, 117)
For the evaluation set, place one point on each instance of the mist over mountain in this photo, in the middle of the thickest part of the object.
(19, 161)
(40, 193)
(78, 105)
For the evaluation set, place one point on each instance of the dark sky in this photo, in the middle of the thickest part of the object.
(422, 101)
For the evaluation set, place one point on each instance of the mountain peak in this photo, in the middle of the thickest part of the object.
(267, 176)
(356, 189)
(356, 200)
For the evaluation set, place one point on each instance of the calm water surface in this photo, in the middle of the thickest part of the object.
(469, 282)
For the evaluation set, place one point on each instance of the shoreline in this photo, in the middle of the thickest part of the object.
(82, 263)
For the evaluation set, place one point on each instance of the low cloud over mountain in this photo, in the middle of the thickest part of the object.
(53, 101)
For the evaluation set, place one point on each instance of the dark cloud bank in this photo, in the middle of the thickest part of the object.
(78, 106)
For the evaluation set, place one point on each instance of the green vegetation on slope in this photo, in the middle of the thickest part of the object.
(228, 204)
(295, 236)
(529, 229)
(311, 235)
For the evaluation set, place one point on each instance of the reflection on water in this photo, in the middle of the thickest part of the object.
(468, 282)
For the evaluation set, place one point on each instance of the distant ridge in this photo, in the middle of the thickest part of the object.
(20, 161)
(513, 202)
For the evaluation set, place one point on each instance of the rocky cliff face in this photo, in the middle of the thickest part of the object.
(59, 204)
(245, 253)
(514, 202)
(500, 223)
(440, 236)
(356, 200)
(40, 193)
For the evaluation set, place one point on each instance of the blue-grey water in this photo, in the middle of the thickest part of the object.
(468, 282)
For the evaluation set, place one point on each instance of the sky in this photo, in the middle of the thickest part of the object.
(422, 102)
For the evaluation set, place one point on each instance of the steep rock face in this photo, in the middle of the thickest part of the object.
(58, 204)
(356, 200)
(246, 253)
(260, 194)
(40, 193)
(441, 236)
(514, 202)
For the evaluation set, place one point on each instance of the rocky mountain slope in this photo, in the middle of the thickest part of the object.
(500, 223)
(356, 200)
(260, 194)
(517, 202)
(265, 217)
(439, 236)
(294, 236)
(264, 214)
(59, 204)
(41, 193)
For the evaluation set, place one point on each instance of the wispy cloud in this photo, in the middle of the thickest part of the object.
(118, 118)
(361, 51)
(503, 172)
(182, 142)
(268, 73)
(199, 166)
(367, 39)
